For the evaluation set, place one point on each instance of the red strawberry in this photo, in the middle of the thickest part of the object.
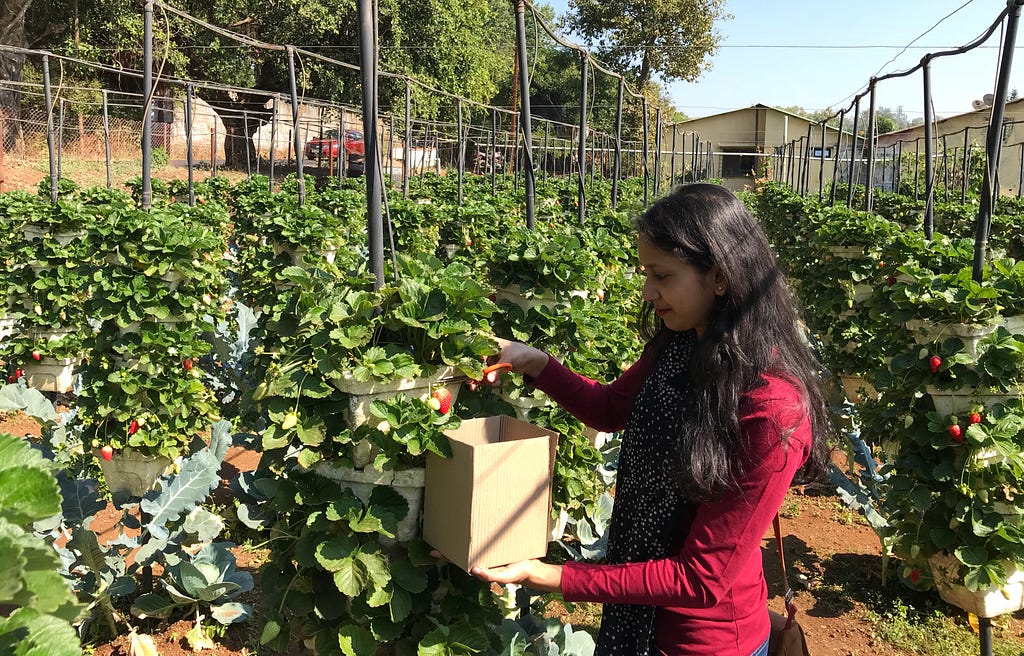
(494, 298)
(18, 373)
(187, 363)
(133, 428)
(472, 385)
(107, 452)
(956, 432)
(975, 418)
(890, 281)
(12, 379)
(934, 363)
(444, 397)
(36, 355)
(914, 575)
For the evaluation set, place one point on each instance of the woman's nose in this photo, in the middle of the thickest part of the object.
(649, 292)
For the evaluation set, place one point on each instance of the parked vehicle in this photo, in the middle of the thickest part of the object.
(329, 147)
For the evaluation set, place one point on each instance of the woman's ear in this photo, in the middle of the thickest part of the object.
(721, 285)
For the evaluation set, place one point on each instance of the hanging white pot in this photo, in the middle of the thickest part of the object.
(408, 483)
(952, 402)
(847, 252)
(363, 394)
(983, 603)
(925, 331)
(50, 375)
(132, 472)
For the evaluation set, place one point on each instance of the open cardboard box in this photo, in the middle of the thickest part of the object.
(490, 503)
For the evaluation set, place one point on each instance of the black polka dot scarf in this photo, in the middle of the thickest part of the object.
(650, 517)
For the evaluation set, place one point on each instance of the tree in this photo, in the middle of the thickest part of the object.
(671, 39)
(12, 32)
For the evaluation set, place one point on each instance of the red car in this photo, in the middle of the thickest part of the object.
(328, 147)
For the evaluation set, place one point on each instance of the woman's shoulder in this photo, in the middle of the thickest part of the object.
(776, 407)
(774, 389)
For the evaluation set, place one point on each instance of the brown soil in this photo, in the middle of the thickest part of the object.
(834, 562)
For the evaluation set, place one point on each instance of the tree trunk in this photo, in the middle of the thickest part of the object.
(12, 32)
(239, 134)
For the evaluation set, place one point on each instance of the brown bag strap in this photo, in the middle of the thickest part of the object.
(790, 606)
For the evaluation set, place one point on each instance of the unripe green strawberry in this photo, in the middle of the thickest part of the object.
(289, 421)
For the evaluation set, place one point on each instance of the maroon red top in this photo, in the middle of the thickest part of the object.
(711, 595)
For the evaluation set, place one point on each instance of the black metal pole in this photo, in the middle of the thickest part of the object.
(296, 137)
(657, 151)
(524, 108)
(617, 163)
(805, 170)
(342, 153)
(898, 175)
(581, 157)
(929, 164)
(1020, 178)
(544, 156)
(917, 167)
(853, 154)
(869, 184)
(407, 155)
(147, 99)
(964, 166)
(985, 634)
(821, 164)
(245, 128)
(48, 99)
(273, 140)
(494, 152)
(647, 171)
(106, 139)
(367, 69)
(460, 145)
(60, 139)
(839, 146)
(672, 160)
(189, 122)
(945, 170)
(994, 140)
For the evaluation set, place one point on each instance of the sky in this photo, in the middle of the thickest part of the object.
(818, 55)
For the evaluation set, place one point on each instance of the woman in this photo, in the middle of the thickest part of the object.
(721, 411)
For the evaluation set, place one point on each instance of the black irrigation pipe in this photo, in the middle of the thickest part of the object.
(189, 120)
(582, 151)
(993, 144)
(147, 92)
(869, 182)
(49, 128)
(106, 141)
(524, 104)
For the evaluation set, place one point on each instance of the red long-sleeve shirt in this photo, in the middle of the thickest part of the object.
(711, 595)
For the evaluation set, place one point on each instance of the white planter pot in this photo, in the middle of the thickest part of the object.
(515, 296)
(929, 332)
(296, 254)
(7, 325)
(362, 394)
(983, 603)
(857, 388)
(172, 278)
(597, 438)
(862, 293)
(407, 482)
(50, 375)
(847, 252)
(952, 402)
(31, 231)
(65, 238)
(49, 334)
(131, 472)
(1014, 324)
(523, 404)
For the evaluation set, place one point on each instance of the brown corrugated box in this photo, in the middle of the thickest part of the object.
(490, 503)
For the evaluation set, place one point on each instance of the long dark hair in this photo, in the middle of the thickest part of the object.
(753, 330)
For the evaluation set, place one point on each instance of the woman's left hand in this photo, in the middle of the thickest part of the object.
(534, 574)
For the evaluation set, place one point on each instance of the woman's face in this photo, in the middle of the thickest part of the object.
(681, 294)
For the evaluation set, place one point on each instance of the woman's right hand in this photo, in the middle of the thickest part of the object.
(523, 358)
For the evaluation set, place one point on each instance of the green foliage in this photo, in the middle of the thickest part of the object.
(43, 605)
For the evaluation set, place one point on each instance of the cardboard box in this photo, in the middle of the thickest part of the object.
(490, 503)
